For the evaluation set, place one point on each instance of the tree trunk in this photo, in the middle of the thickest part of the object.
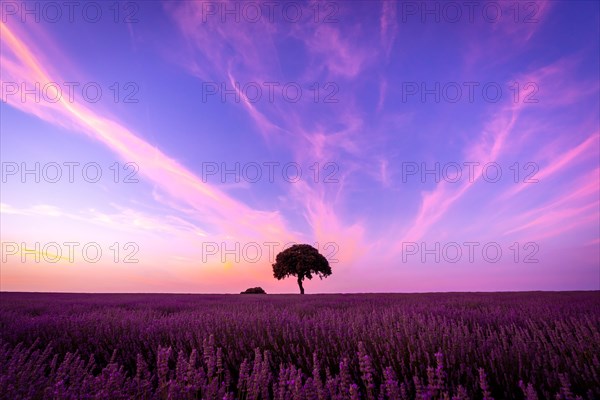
(300, 284)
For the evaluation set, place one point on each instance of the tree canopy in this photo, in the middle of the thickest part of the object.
(301, 261)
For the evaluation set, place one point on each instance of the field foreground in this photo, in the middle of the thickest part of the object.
(355, 346)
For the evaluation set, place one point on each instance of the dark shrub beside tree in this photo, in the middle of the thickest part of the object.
(254, 290)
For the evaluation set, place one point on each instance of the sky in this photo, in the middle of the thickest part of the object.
(419, 146)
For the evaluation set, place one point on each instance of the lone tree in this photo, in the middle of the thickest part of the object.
(302, 261)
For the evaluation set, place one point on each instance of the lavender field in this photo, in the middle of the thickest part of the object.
(374, 346)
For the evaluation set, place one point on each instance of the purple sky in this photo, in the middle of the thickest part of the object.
(420, 146)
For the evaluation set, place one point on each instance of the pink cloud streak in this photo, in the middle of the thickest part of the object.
(212, 205)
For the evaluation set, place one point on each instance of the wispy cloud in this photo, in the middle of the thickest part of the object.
(336, 53)
(388, 25)
(555, 163)
(212, 206)
(486, 148)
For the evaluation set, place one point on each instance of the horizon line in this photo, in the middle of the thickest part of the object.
(307, 294)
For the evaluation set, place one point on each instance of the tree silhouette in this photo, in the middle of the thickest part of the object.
(302, 261)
